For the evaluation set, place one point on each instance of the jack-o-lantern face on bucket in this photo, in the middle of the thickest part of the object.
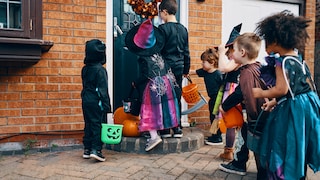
(113, 133)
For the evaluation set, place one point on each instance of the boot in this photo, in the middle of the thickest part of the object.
(227, 155)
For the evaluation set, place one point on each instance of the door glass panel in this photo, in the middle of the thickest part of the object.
(10, 14)
(130, 18)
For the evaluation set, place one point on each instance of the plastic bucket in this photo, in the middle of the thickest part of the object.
(111, 133)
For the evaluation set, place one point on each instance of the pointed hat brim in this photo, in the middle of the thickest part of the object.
(157, 47)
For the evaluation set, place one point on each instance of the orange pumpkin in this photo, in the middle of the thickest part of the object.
(130, 128)
(119, 116)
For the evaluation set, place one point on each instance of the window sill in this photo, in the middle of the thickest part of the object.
(23, 50)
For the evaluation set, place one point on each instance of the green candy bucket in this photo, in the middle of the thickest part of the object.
(111, 133)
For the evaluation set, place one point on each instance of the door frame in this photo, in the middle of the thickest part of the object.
(184, 8)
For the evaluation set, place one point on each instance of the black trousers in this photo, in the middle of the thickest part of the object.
(242, 156)
(178, 91)
(93, 117)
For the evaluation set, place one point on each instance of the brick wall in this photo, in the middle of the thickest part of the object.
(45, 97)
(317, 48)
(204, 31)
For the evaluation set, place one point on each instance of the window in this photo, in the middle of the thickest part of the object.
(21, 31)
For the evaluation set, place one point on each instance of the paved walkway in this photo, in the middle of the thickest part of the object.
(201, 164)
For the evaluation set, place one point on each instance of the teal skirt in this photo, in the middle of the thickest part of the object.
(291, 138)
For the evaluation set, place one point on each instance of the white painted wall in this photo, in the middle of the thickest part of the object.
(249, 12)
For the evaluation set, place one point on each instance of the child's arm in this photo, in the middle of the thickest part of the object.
(280, 89)
(225, 65)
(192, 72)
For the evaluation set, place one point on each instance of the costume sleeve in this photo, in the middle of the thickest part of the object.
(246, 88)
(143, 68)
(200, 72)
(186, 54)
(102, 88)
(233, 99)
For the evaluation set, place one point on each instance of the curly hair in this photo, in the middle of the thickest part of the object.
(285, 29)
(210, 55)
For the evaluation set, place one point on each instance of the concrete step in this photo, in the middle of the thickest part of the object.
(193, 139)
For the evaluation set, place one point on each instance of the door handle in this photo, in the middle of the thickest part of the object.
(116, 28)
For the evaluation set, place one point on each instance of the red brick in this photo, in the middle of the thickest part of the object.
(21, 87)
(33, 95)
(9, 129)
(33, 79)
(9, 96)
(59, 95)
(59, 127)
(10, 112)
(3, 121)
(47, 71)
(77, 126)
(47, 87)
(47, 103)
(3, 104)
(34, 128)
(59, 64)
(59, 79)
(46, 119)
(22, 120)
(59, 111)
(34, 112)
(70, 87)
(70, 102)
(84, 33)
(20, 104)
(72, 24)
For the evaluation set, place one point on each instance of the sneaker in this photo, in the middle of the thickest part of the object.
(152, 143)
(97, 155)
(230, 168)
(214, 140)
(145, 134)
(86, 154)
(177, 132)
(165, 133)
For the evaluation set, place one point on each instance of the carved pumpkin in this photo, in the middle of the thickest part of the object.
(119, 116)
(130, 128)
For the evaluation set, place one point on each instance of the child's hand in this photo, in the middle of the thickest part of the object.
(222, 49)
(192, 72)
(221, 110)
(269, 105)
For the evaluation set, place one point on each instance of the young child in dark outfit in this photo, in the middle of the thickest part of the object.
(95, 98)
(212, 76)
(159, 109)
(175, 51)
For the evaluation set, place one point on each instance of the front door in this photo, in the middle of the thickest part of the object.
(125, 65)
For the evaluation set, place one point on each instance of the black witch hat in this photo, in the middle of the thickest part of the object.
(234, 34)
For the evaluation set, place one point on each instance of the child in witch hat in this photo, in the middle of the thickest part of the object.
(159, 109)
(230, 70)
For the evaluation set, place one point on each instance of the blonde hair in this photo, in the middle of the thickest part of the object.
(250, 42)
(210, 55)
